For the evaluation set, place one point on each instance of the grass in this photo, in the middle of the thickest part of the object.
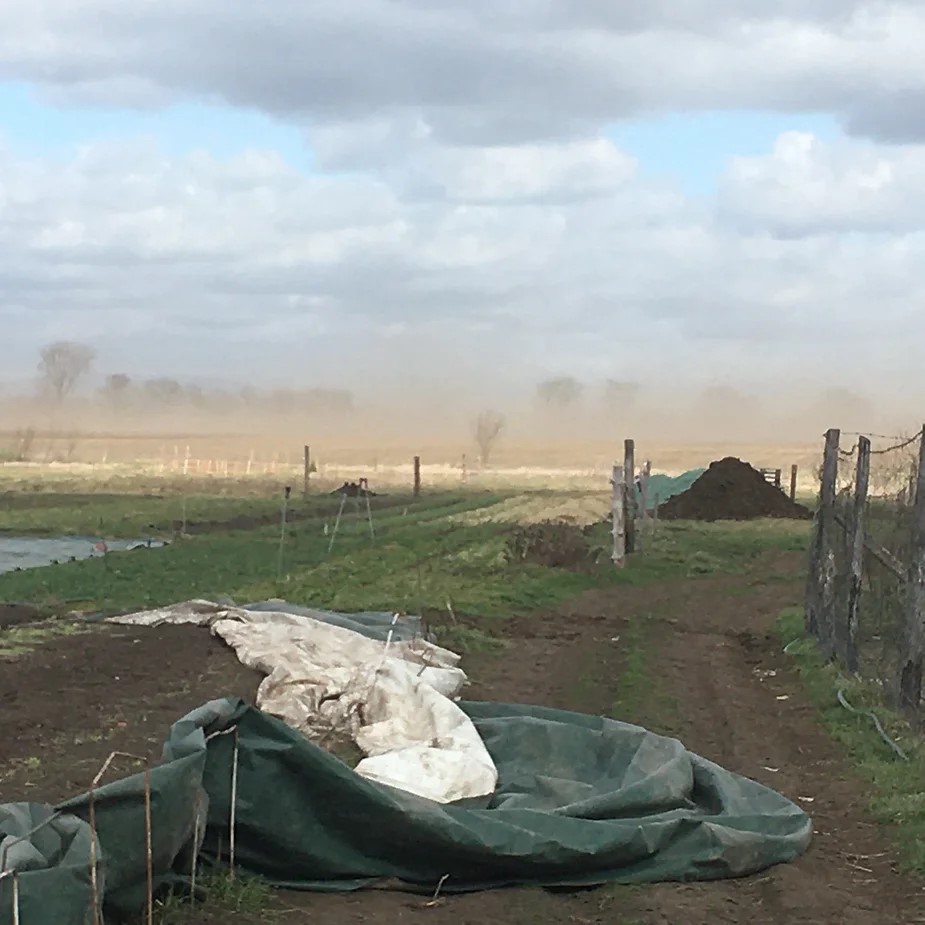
(223, 894)
(118, 515)
(687, 549)
(639, 698)
(244, 564)
(422, 558)
(897, 787)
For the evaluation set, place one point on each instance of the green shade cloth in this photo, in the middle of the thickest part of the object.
(581, 800)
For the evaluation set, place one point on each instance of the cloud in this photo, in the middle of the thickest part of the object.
(806, 186)
(468, 217)
(483, 72)
(521, 262)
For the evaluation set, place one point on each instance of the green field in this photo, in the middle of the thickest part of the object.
(421, 558)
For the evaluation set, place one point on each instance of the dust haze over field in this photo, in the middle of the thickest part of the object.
(436, 207)
(557, 421)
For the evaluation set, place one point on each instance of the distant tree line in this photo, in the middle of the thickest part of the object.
(64, 364)
(565, 393)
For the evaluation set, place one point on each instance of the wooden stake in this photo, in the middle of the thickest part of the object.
(912, 641)
(308, 469)
(282, 534)
(618, 510)
(194, 863)
(417, 476)
(629, 494)
(793, 482)
(149, 850)
(849, 647)
(820, 591)
(234, 802)
(647, 514)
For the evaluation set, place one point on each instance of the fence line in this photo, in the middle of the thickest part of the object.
(865, 591)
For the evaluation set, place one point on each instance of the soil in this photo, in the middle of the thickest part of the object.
(17, 614)
(717, 679)
(731, 490)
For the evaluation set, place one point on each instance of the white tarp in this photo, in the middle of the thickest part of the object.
(391, 699)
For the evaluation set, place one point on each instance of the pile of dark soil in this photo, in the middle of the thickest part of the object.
(731, 490)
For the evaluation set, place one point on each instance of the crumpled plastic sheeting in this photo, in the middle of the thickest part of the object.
(391, 699)
(376, 624)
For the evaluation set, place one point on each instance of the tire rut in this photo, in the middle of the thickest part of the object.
(741, 705)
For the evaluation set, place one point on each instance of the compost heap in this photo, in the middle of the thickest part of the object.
(731, 490)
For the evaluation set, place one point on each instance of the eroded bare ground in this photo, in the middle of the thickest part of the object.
(721, 684)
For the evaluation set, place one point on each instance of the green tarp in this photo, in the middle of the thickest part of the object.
(663, 487)
(581, 800)
(51, 857)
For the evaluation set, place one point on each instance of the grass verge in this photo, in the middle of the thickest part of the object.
(897, 787)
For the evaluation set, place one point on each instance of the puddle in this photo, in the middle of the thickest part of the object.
(33, 552)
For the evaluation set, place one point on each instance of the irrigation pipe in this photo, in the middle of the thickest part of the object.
(873, 716)
(842, 700)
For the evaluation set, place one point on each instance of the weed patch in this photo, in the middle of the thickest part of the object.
(20, 640)
(220, 894)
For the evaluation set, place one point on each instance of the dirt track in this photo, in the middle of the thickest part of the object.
(709, 650)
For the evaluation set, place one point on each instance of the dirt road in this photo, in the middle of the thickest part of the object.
(693, 658)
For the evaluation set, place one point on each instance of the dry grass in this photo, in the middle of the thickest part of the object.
(219, 460)
(578, 508)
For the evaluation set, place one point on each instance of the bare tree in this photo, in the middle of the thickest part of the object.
(488, 428)
(61, 366)
(559, 393)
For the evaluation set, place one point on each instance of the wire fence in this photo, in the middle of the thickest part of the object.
(866, 586)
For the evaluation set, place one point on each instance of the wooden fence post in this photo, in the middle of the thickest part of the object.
(618, 509)
(794, 469)
(644, 497)
(308, 469)
(820, 590)
(417, 476)
(629, 494)
(912, 640)
(856, 535)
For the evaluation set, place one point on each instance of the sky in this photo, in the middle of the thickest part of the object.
(467, 196)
